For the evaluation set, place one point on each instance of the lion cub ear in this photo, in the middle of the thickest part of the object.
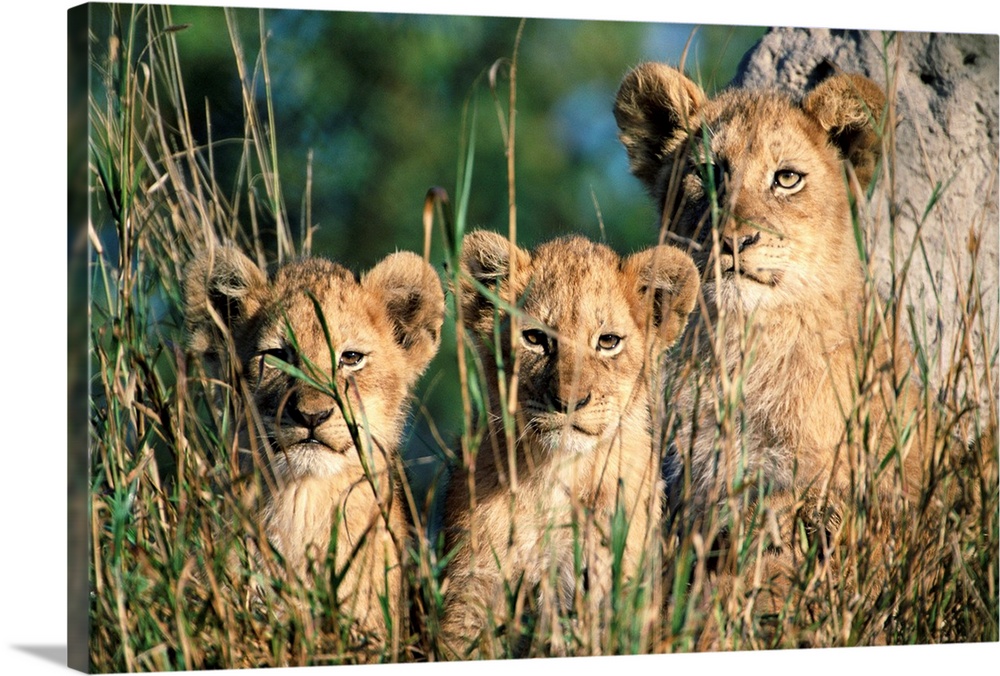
(850, 109)
(222, 289)
(414, 302)
(486, 259)
(656, 109)
(664, 282)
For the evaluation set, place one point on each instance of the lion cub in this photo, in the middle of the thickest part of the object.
(585, 467)
(307, 346)
(822, 408)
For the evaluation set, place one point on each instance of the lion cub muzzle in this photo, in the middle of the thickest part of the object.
(309, 419)
(732, 245)
(737, 257)
(561, 389)
(563, 406)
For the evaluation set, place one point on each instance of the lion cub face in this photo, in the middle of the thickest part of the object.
(591, 325)
(768, 168)
(313, 334)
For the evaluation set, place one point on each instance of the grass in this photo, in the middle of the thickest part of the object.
(170, 564)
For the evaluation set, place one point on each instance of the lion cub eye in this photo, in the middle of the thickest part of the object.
(786, 179)
(712, 175)
(277, 353)
(281, 353)
(535, 339)
(352, 360)
(609, 342)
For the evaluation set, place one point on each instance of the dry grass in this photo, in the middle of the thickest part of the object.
(165, 532)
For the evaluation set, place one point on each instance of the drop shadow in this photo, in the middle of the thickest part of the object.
(50, 653)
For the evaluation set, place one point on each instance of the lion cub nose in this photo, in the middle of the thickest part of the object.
(738, 243)
(309, 420)
(561, 406)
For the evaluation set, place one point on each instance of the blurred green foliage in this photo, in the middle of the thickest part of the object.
(379, 100)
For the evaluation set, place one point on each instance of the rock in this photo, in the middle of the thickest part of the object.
(943, 181)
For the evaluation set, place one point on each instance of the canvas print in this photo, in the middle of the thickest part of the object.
(421, 338)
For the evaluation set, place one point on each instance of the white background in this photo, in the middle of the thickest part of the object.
(33, 357)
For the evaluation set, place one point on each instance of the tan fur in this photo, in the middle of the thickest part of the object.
(584, 425)
(785, 297)
(383, 329)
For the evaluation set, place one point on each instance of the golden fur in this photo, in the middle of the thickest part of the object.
(593, 330)
(383, 330)
(787, 320)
